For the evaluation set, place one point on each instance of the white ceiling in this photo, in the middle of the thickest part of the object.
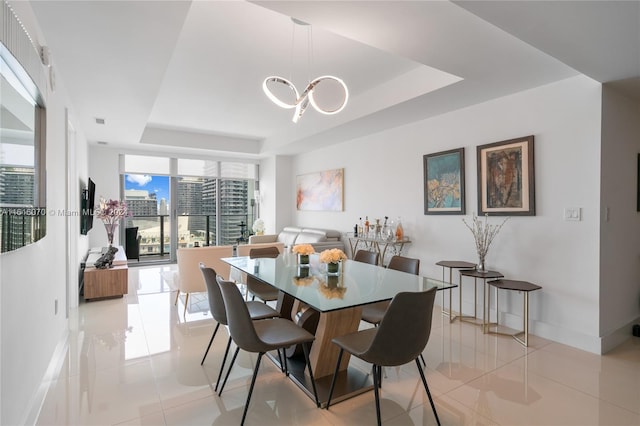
(186, 75)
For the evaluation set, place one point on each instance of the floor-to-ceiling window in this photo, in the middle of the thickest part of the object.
(179, 202)
(147, 199)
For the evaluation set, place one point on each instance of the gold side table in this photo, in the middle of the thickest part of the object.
(452, 264)
(484, 276)
(519, 286)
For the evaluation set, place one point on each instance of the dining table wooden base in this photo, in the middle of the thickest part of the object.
(324, 354)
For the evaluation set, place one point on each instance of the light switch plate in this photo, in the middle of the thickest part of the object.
(572, 213)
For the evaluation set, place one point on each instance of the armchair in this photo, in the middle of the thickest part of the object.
(190, 279)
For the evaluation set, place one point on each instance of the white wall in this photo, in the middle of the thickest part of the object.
(32, 279)
(104, 171)
(384, 177)
(32, 335)
(620, 230)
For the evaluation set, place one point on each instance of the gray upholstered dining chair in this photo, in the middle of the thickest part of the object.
(265, 292)
(257, 310)
(405, 328)
(366, 256)
(260, 336)
(374, 312)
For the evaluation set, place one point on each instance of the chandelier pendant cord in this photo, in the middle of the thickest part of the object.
(309, 52)
(293, 44)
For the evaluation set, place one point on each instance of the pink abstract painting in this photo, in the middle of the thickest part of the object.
(320, 191)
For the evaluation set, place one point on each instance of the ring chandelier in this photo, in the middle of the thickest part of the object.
(307, 97)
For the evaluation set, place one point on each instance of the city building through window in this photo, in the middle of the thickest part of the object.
(211, 204)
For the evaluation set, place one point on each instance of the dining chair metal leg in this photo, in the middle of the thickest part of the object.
(186, 300)
(335, 375)
(426, 387)
(286, 368)
(305, 348)
(210, 342)
(376, 389)
(177, 297)
(224, 360)
(233, 360)
(282, 363)
(253, 382)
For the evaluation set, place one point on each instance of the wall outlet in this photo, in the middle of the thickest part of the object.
(572, 213)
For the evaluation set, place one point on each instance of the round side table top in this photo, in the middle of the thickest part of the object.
(456, 264)
(514, 285)
(481, 274)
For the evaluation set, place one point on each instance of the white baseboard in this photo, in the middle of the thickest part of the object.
(617, 337)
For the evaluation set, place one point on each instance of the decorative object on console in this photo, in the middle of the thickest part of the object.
(258, 226)
(111, 212)
(506, 178)
(399, 230)
(301, 102)
(106, 260)
(444, 182)
(378, 233)
(483, 234)
(303, 251)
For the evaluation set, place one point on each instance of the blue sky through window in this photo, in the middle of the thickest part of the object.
(152, 184)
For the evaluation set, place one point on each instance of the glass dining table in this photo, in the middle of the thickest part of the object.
(338, 299)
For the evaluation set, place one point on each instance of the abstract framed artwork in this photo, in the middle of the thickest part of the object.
(444, 182)
(320, 191)
(506, 178)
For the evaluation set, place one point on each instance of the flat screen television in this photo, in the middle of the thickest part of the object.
(87, 204)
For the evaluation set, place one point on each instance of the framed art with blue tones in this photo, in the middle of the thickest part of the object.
(444, 182)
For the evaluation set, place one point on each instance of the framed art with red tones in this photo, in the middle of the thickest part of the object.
(506, 179)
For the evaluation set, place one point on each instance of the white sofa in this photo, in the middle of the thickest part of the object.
(320, 239)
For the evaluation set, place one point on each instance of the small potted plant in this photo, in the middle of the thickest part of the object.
(258, 226)
(332, 257)
(303, 251)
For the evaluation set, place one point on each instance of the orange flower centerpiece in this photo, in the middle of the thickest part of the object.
(303, 251)
(332, 258)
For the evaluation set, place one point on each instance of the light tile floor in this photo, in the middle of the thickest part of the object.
(136, 361)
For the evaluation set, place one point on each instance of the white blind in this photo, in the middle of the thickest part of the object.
(143, 164)
(151, 165)
(206, 168)
(231, 170)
